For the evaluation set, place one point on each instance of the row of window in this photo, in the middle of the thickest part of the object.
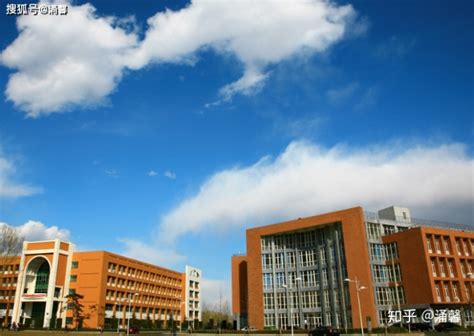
(375, 230)
(193, 294)
(9, 269)
(294, 240)
(442, 245)
(122, 297)
(310, 320)
(194, 284)
(9, 281)
(306, 258)
(7, 294)
(387, 273)
(383, 252)
(447, 291)
(309, 278)
(140, 286)
(444, 267)
(309, 300)
(145, 275)
(389, 295)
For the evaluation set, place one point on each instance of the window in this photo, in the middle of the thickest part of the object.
(455, 292)
(466, 250)
(294, 299)
(391, 251)
(266, 244)
(309, 300)
(267, 281)
(281, 300)
(279, 242)
(280, 279)
(438, 292)
(267, 261)
(307, 258)
(389, 229)
(377, 252)
(428, 243)
(269, 320)
(291, 259)
(279, 260)
(382, 296)
(458, 247)
(395, 274)
(42, 278)
(373, 231)
(446, 246)
(451, 269)
(308, 278)
(380, 273)
(268, 301)
(441, 268)
(283, 318)
(437, 246)
(446, 292)
(74, 264)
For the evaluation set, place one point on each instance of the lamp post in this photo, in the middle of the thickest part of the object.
(291, 305)
(118, 318)
(358, 289)
(129, 312)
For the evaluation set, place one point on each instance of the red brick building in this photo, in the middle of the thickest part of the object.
(296, 272)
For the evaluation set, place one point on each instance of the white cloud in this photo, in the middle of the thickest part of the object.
(78, 59)
(152, 173)
(8, 187)
(307, 179)
(257, 33)
(169, 174)
(153, 254)
(34, 230)
(215, 292)
(65, 60)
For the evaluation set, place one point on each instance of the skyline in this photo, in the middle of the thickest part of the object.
(160, 131)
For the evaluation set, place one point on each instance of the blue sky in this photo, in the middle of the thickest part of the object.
(166, 140)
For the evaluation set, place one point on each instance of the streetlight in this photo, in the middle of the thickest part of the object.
(358, 289)
(118, 318)
(291, 305)
(129, 312)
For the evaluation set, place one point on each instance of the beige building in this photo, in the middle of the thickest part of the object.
(112, 289)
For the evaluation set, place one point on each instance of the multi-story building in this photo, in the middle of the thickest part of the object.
(308, 272)
(436, 267)
(39, 285)
(192, 309)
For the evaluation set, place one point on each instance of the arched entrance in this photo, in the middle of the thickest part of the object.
(35, 291)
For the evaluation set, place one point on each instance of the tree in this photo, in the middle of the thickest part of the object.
(218, 313)
(99, 311)
(73, 304)
(10, 246)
